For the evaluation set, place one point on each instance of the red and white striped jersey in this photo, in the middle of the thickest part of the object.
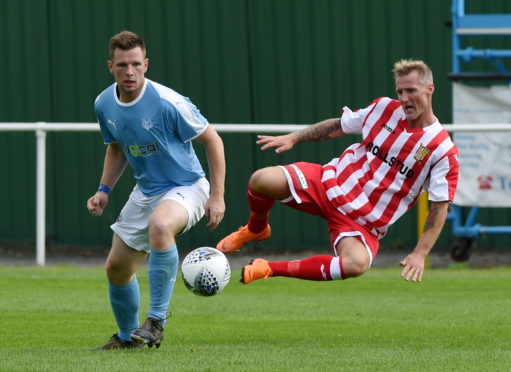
(376, 181)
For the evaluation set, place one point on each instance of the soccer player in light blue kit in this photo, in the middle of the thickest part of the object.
(151, 128)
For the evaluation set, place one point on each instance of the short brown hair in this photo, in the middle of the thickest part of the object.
(405, 66)
(126, 40)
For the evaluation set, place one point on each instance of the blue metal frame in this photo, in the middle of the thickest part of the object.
(471, 229)
(477, 25)
(480, 25)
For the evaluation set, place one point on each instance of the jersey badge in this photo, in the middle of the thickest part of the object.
(421, 153)
(147, 124)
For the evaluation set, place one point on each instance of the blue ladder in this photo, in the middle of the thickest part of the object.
(478, 25)
(475, 25)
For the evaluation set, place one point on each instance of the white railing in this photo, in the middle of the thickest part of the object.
(40, 129)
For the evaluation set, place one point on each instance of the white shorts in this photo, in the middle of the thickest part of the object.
(131, 225)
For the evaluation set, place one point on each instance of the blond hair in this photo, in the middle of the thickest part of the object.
(405, 66)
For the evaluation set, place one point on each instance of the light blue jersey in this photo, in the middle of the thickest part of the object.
(155, 132)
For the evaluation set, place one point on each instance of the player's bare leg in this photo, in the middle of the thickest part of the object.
(122, 262)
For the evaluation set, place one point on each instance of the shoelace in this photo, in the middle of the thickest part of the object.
(158, 323)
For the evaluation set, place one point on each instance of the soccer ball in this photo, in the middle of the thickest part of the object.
(205, 271)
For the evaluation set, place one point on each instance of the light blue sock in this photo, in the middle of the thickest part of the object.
(162, 268)
(125, 301)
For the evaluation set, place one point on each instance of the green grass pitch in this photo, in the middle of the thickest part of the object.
(457, 319)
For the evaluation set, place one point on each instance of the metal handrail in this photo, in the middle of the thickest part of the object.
(41, 128)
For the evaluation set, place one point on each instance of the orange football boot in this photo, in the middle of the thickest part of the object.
(257, 269)
(234, 241)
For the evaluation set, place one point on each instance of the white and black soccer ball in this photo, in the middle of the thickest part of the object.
(206, 271)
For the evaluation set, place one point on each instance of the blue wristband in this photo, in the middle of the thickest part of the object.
(105, 189)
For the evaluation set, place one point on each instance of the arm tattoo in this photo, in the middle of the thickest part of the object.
(320, 131)
(430, 220)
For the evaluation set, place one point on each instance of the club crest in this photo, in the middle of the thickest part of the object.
(147, 124)
(421, 153)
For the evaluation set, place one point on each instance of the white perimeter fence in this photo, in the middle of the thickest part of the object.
(41, 128)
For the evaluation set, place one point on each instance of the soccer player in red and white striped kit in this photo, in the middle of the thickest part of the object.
(404, 151)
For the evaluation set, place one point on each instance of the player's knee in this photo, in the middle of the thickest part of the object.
(259, 180)
(355, 257)
(116, 272)
(354, 266)
(159, 227)
(162, 233)
(269, 181)
(354, 271)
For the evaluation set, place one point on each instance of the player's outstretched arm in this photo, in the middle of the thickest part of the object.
(326, 129)
(280, 143)
(413, 264)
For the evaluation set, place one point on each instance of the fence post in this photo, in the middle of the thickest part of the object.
(40, 195)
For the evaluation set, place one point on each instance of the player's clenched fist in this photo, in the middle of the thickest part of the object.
(97, 203)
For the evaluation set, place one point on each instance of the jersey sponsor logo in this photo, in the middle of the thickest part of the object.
(142, 150)
(147, 124)
(421, 153)
(387, 128)
(391, 161)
